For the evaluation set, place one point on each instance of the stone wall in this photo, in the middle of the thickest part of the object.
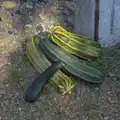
(84, 20)
(109, 27)
(109, 32)
(116, 23)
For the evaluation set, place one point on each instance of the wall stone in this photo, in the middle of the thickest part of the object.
(106, 5)
(109, 27)
(84, 19)
(116, 25)
(105, 23)
(109, 31)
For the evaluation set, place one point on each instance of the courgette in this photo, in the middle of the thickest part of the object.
(73, 65)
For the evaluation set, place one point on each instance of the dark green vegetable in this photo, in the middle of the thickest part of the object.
(38, 84)
(73, 65)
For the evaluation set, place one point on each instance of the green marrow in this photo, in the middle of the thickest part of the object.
(39, 83)
(73, 65)
(79, 49)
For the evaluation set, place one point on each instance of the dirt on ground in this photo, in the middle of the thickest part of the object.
(88, 101)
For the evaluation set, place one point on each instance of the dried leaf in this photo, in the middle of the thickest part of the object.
(9, 4)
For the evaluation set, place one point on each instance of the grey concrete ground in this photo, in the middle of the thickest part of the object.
(88, 102)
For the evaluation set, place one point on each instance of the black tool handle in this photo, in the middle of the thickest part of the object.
(38, 84)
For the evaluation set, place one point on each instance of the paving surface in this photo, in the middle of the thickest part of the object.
(88, 102)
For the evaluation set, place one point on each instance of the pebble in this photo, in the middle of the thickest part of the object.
(28, 25)
(3, 70)
(97, 88)
(31, 18)
(39, 28)
(7, 85)
(13, 31)
(18, 12)
(111, 74)
(2, 91)
(42, 16)
(106, 118)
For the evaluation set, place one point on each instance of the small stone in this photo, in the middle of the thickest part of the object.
(28, 26)
(97, 88)
(106, 118)
(12, 14)
(109, 92)
(19, 109)
(2, 91)
(111, 74)
(7, 85)
(18, 12)
(39, 28)
(31, 18)
(12, 31)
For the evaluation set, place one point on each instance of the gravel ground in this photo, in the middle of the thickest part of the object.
(88, 102)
